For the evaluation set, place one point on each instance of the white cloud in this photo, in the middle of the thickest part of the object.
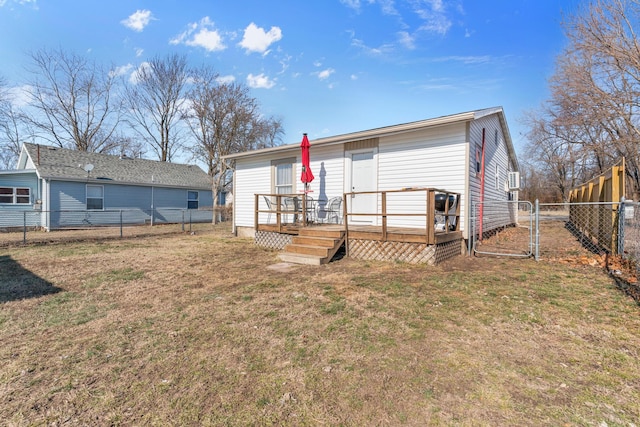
(32, 3)
(355, 4)
(138, 20)
(406, 40)
(121, 70)
(133, 77)
(354, 77)
(260, 81)
(19, 96)
(325, 74)
(468, 60)
(226, 79)
(372, 51)
(139, 52)
(434, 15)
(256, 39)
(201, 34)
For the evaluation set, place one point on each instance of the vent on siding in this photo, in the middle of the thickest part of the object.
(514, 180)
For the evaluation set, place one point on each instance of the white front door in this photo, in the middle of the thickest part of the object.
(363, 178)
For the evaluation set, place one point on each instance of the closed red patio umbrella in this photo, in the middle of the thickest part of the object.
(307, 175)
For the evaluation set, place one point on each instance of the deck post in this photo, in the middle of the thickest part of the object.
(431, 206)
(345, 210)
(384, 216)
(278, 213)
(255, 213)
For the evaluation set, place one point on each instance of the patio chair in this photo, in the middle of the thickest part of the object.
(333, 210)
(270, 205)
(310, 207)
(291, 206)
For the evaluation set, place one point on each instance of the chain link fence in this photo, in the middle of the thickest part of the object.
(629, 232)
(553, 231)
(566, 231)
(46, 226)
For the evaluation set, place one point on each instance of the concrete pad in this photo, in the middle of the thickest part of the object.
(282, 267)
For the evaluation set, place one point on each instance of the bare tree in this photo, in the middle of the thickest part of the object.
(594, 108)
(552, 158)
(225, 119)
(155, 100)
(73, 100)
(14, 129)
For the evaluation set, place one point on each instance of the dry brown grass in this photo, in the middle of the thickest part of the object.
(196, 330)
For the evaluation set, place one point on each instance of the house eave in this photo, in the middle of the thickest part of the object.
(132, 183)
(356, 136)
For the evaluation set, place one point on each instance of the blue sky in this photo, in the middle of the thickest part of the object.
(325, 67)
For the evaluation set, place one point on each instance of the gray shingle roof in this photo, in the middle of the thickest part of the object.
(65, 164)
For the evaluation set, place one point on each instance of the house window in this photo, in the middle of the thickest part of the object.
(495, 136)
(192, 200)
(283, 176)
(497, 177)
(15, 195)
(95, 197)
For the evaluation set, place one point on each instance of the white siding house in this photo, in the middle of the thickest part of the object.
(443, 153)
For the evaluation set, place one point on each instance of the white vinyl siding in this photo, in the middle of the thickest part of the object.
(431, 158)
(496, 169)
(253, 176)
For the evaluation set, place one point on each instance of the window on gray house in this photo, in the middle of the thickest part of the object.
(95, 197)
(15, 195)
(192, 200)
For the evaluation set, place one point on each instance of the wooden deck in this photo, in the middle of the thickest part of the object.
(370, 232)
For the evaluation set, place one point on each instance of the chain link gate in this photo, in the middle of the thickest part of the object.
(502, 228)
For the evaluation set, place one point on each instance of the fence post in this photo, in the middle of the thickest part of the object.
(537, 243)
(121, 223)
(183, 220)
(189, 221)
(621, 220)
(24, 227)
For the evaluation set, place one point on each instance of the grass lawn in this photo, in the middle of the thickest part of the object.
(197, 330)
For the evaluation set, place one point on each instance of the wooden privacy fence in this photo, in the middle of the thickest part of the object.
(593, 207)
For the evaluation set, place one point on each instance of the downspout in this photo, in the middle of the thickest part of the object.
(481, 211)
(232, 165)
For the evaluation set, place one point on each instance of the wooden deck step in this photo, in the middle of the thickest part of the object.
(324, 242)
(313, 246)
(301, 259)
(336, 233)
(307, 250)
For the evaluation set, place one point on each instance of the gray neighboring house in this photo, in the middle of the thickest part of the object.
(54, 187)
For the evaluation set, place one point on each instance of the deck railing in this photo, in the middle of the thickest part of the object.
(436, 211)
(389, 202)
(284, 207)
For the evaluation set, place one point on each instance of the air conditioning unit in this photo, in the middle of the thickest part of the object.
(514, 180)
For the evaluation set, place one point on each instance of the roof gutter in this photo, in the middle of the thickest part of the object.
(356, 136)
(113, 182)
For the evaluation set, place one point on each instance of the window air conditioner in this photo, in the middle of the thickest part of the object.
(514, 180)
